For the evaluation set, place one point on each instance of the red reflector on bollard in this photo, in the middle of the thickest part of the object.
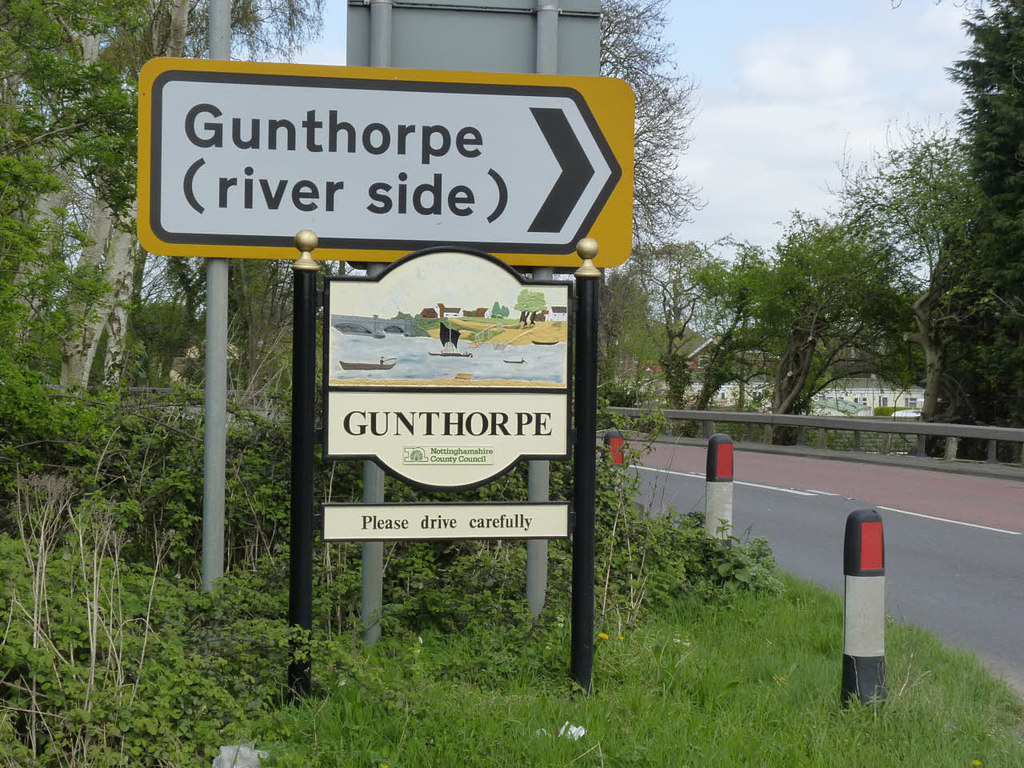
(871, 551)
(724, 461)
(615, 446)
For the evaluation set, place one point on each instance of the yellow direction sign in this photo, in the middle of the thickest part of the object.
(235, 158)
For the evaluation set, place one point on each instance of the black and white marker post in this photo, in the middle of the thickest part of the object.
(588, 283)
(718, 488)
(300, 584)
(864, 611)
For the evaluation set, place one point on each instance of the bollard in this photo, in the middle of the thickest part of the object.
(614, 441)
(718, 489)
(864, 609)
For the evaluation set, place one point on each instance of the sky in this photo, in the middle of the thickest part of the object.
(788, 90)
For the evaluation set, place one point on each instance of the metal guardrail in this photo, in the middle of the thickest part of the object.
(951, 433)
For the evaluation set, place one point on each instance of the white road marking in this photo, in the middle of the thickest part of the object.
(947, 520)
(796, 492)
(791, 491)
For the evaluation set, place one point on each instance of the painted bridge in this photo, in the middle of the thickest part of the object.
(371, 326)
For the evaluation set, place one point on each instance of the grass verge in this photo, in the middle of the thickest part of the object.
(751, 681)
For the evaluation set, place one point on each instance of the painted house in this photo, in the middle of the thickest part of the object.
(448, 312)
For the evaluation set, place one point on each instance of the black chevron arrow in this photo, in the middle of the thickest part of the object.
(576, 170)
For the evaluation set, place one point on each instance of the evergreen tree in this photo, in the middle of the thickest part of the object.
(993, 123)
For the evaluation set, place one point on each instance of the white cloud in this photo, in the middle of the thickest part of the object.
(770, 136)
(789, 68)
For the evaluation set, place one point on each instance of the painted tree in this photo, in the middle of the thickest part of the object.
(530, 304)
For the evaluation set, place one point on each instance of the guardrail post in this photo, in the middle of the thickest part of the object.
(952, 446)
(718, 493)
(864, 609)
(856, 441)
(991, 453)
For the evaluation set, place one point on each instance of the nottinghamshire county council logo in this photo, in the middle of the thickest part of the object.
(447, 454)
(414, 456)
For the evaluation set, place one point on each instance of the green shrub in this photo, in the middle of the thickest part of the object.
(113, 657)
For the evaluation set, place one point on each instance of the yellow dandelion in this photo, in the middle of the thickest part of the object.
(975, 762)
(621, 637)
(602, 636)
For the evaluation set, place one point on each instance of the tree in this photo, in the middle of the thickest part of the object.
(826, 306)
(67, 135)
(67, 116)
(629, 340)
(674, 278)
(918, 200)
(993, 123)
(633, 49)
(737, 351)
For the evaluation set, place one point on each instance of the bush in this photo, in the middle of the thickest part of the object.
(111, 655)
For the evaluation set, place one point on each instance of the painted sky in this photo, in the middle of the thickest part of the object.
(454, 279)
(788, 90)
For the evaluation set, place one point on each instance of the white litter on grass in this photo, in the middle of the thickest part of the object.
(573, 732)
(239, 756)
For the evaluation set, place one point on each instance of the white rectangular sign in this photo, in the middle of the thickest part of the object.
(384, 522)
(446, 439)
(240, 157)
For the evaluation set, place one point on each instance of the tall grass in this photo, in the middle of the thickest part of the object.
(752, 681)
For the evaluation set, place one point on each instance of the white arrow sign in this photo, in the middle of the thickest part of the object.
(242, 158)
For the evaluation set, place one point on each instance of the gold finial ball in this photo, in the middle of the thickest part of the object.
(306, 240)
(587, 248)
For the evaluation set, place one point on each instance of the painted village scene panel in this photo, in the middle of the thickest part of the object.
(448, 320)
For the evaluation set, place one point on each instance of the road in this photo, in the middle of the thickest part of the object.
(954, 542)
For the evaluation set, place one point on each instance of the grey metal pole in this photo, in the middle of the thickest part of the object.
(537, 549)
(547, 38)
(538, 489)
(539, 478)
(371, 594)
(380, 33)
(215, 407)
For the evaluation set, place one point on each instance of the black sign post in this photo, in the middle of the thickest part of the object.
(300, 585)
(588, 282)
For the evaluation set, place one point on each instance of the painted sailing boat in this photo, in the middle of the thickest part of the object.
(449, 343)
